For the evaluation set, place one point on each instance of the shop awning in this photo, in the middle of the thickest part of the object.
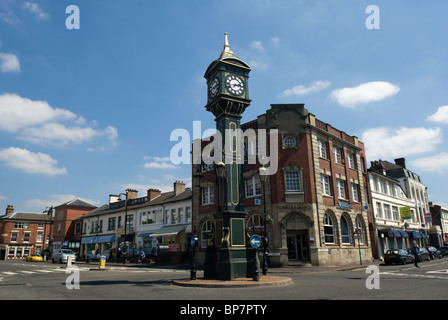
(105, 239)
(88, 240)
(98, 239)
(417, 235)
(404, 234)
(397, 233)
(164, 231)
(144, 235)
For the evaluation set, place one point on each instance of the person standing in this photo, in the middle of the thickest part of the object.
(415, 251)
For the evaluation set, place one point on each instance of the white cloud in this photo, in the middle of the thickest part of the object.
(57, 134)
(30, 162)
(258, 64)
(441, 115)
(54, 200)
(159, 163)
(9, 62)
(17, 113)
(36, 10)
(257, 45)
(389, 143)
(302, 90)
(364, 93)
(437, 163)
(38, 122)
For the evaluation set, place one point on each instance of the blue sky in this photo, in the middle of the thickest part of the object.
(88, 112)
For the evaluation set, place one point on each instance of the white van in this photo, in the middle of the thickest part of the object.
(60, 255)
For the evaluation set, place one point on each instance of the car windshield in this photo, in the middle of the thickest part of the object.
(67, 251)
(393, 251)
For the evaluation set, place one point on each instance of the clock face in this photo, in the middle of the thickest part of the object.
(213, 88)
(235, 85)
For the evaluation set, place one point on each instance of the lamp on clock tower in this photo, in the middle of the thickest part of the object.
(228, 97)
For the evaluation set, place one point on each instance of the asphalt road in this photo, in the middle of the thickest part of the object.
(34, 281)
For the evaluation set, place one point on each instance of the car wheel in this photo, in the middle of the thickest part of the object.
(52, 260)
(60, 261)
(403, 261)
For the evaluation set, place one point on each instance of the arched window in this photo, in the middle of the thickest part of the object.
(345, 232)
(206, 233)
(328, 229)
(255, 223)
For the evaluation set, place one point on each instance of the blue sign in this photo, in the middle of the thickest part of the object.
(255, 241)
(193, 242)
(344, 205)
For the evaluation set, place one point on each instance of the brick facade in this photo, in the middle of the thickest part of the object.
(23, 234)
(67, 231)
(307, 221)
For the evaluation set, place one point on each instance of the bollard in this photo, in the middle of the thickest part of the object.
(102, 262)
(69, 262)
(256, 276)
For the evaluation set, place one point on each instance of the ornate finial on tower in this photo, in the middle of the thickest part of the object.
(226, 45)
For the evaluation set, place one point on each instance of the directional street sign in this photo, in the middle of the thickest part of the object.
(255, 241)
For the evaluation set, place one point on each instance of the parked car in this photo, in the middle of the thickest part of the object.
(444, 250)
(434, 253)
(60, 255)
(423, 254)
(398, 256)
(34, 258)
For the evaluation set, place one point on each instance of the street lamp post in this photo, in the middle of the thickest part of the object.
(358, 235)
(263, 178)
(194, 248)
(125, 222)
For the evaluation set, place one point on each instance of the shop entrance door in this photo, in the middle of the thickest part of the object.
(298, 245)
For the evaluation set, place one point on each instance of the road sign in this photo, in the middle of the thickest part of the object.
(255, 241)
(193, 242)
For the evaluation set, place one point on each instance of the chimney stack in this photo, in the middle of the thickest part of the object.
(153, 193)
(179, 187)
(400, 162)
(9, 209)
(131, 194)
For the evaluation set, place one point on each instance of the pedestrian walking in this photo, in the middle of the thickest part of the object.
(142, 256)
(415, 252)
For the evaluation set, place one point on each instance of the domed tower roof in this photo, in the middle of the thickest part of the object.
(227, 56)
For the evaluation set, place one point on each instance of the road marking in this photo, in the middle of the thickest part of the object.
(27, 272)
(45, 271)
(414, 275)
(439, 271)
(9, 273)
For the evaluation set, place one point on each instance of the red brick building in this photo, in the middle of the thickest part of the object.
(67, 231)
(316, 202)
(23, 233)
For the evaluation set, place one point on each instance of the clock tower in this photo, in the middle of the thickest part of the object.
(227, 98)
(227, 84)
